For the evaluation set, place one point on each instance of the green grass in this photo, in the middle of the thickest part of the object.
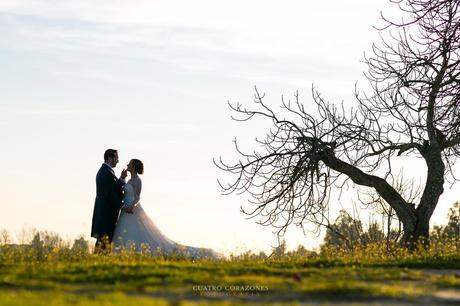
(60, 276)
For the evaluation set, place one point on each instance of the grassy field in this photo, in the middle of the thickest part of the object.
(368, 275)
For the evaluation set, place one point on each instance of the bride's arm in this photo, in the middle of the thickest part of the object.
(128, 207)
(137, 191)
(137, 187)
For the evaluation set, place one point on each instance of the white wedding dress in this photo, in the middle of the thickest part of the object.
(138, 231)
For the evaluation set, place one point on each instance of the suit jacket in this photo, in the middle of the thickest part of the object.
(109, 200)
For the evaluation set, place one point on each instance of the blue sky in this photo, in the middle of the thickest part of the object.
(152, 79)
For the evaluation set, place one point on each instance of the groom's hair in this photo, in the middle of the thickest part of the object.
(109, 153)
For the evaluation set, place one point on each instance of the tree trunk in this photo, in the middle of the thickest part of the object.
(419, 231)
(415, 233)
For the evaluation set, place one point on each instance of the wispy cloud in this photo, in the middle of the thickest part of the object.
(293, 43)
(176, 29)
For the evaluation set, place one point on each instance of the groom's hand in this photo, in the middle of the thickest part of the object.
(124, 173)
(128, 210)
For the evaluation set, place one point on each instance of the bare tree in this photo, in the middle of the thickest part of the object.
(413, 110)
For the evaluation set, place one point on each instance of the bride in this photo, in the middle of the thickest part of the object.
(135, 228)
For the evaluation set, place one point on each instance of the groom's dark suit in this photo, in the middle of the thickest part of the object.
(109, 200)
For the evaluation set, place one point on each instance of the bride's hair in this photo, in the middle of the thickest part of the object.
(138, 166)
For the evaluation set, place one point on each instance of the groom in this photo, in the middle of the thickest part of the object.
(109, 200)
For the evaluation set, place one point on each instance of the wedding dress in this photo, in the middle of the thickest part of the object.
(138, 231)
